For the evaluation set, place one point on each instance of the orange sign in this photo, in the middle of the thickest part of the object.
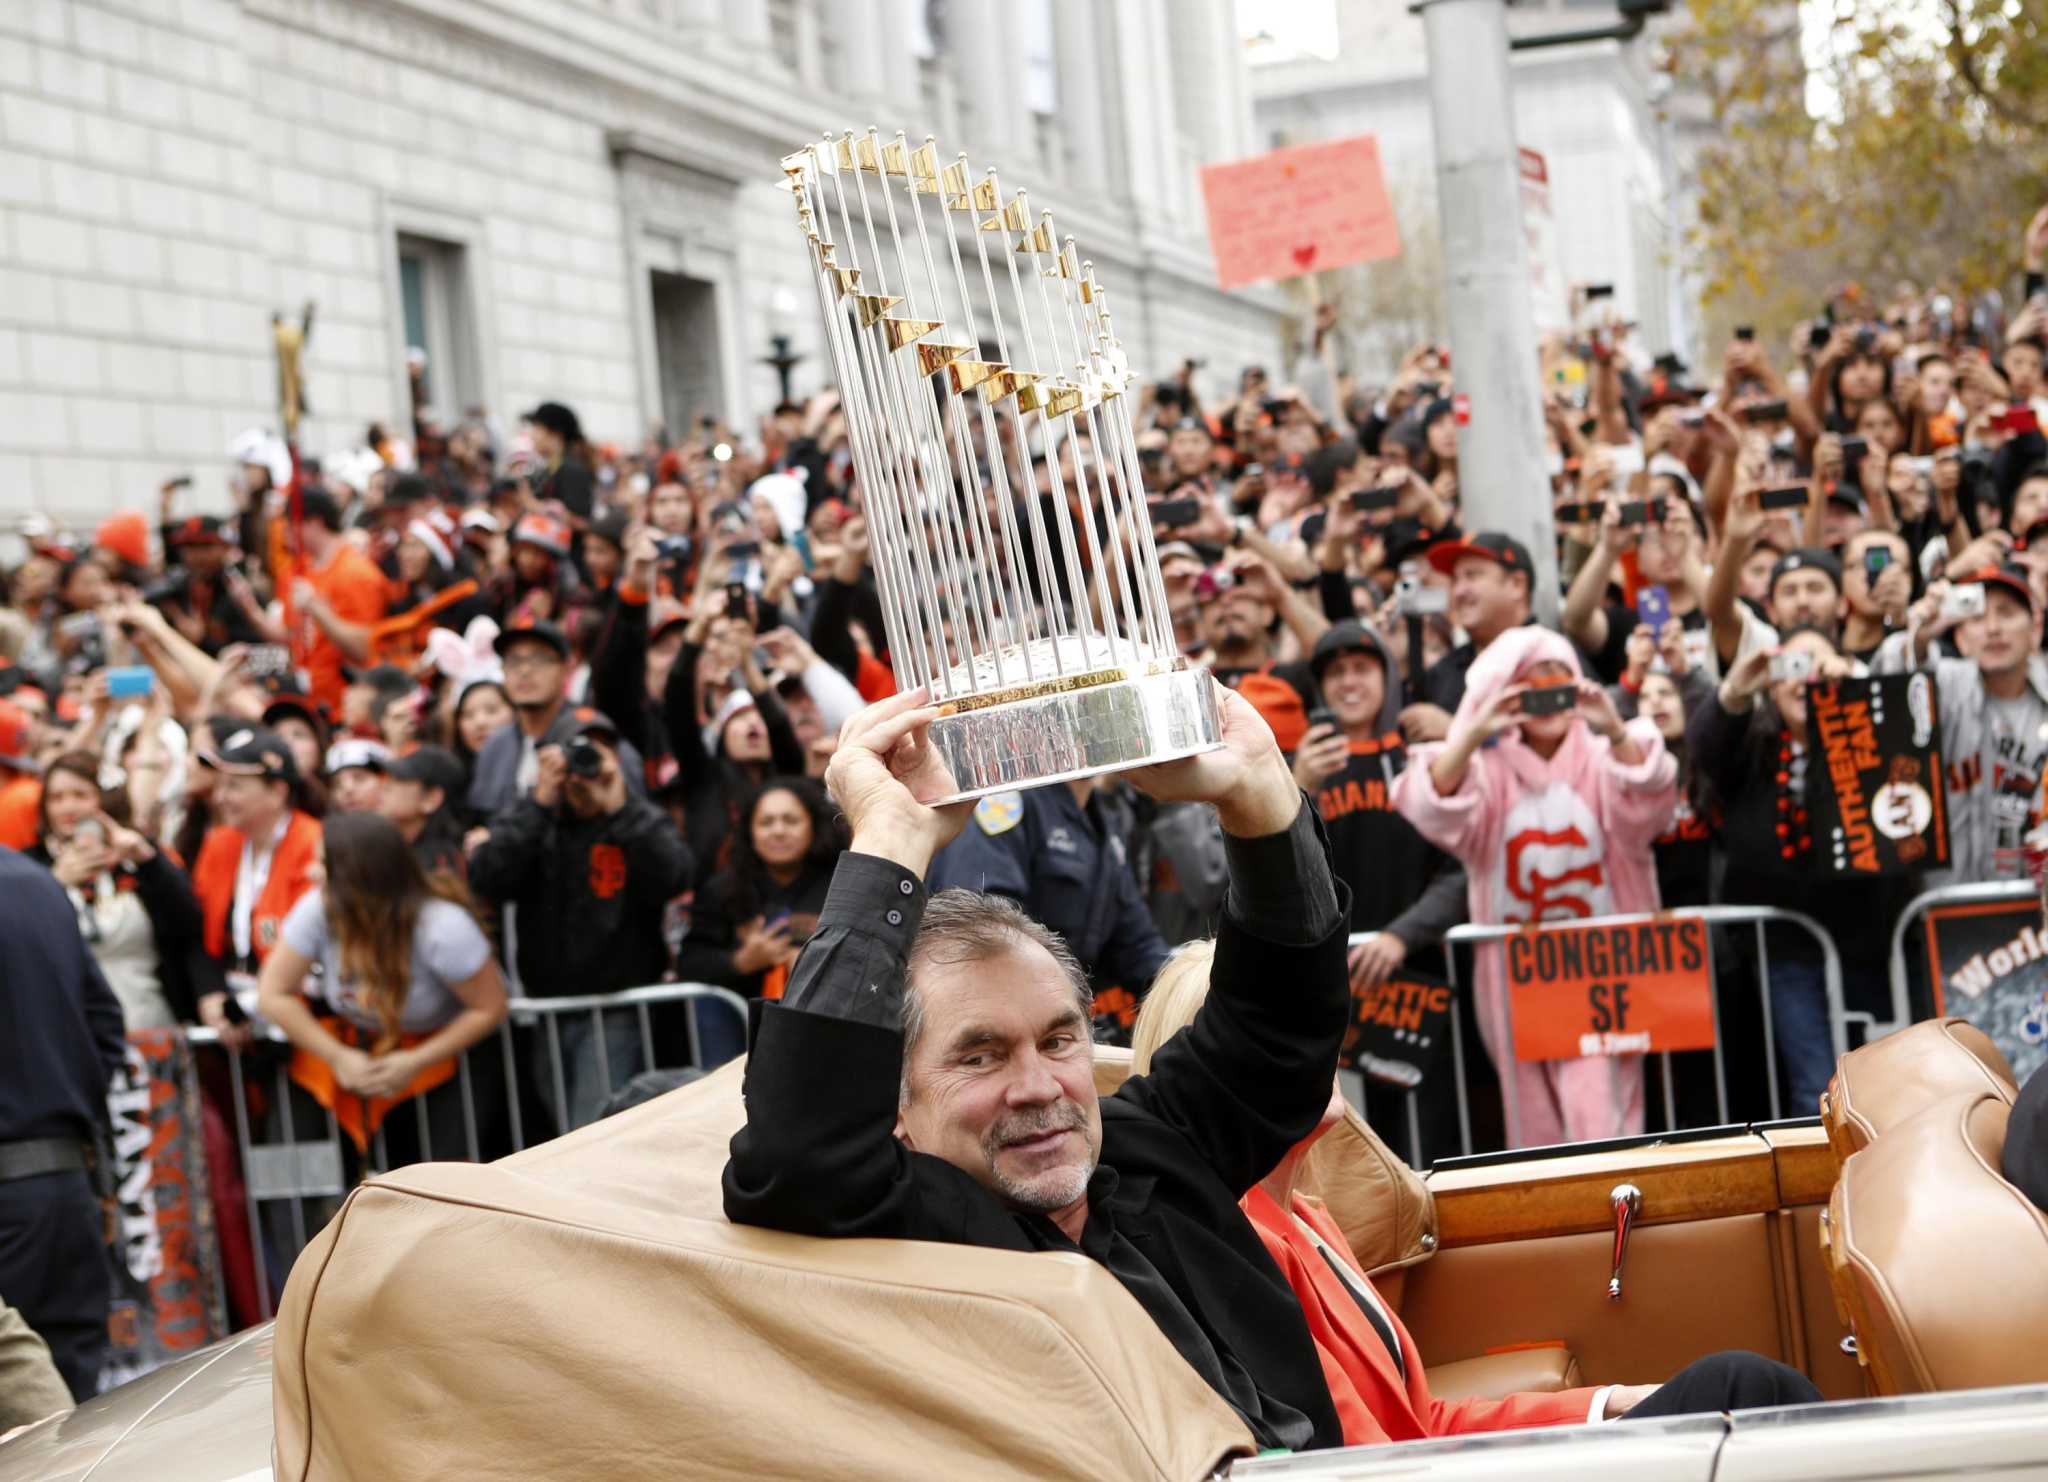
(1299, 210)
(1634, 989)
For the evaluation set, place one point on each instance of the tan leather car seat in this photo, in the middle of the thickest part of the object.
(585, 1309)
(1381, 1204)
(1886, 1081)
(1941, 1265)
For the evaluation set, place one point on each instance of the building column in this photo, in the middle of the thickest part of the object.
(1077, 55)
(986, 76)
(874, 43)
(746, 23)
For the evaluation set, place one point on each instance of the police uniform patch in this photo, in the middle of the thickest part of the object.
(999, 812)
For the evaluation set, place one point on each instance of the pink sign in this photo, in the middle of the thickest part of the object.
(1299, 210)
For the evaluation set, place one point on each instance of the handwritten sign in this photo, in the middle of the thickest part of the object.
(1400, 1030)
(1299, 210)
(1874, 791)
(1635, 989)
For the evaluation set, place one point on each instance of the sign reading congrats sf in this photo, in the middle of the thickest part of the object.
(1625, 988)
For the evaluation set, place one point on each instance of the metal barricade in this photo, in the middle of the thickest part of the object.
(289, 1170)
(1758, 918)
(1988, 893)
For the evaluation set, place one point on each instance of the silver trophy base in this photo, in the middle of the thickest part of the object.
(1057, 730)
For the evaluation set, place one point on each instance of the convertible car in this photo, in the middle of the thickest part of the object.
(583, 1309)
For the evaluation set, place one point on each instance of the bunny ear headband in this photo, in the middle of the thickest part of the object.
(468, 659)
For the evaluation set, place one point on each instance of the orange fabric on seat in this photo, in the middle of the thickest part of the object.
(1374, 1402)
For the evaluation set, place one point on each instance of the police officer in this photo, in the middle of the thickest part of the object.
(1056, 851)
(54, 1071)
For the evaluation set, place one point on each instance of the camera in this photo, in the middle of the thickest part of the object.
(585, 758)
(672, 548)
(1414, 597)
(1549, 699)
(1960, 604)
(1793, 667)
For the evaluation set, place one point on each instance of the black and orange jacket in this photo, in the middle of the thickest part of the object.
(291, 876)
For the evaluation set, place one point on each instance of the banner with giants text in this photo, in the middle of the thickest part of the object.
(162, 1251)
(1627, 988)
(1990, 966)
(1400, 1029)
(1873, 775)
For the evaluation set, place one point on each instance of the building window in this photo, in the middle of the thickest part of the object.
(440, 329)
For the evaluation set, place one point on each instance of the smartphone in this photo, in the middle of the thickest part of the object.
(1176, 512)
(1745, 332)
(1854, 451)
(78, 624)
(736, 598)
(1653, 607)
(267, 661)
(1577, 514)
(130, 682)
(1643, 511)
(182, 481)
(1599, 290)
(1367, 500)
(2017, 420)
(741, 550)
(1253, 471)
(1791, 667)
(1549, 699)
(1785, 496)
(1322, 715)
(1765, 411)
(1275, 406)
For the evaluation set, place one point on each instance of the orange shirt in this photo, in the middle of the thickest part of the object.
(21, 799)
(1375, 1402)
(354, 589)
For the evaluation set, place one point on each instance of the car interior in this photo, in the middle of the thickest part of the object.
(590, 1295)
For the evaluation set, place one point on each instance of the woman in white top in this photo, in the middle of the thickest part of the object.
(406, 983)
(135, 908)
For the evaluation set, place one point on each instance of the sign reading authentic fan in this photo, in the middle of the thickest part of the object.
(967, 334)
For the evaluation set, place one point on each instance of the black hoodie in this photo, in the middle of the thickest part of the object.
(1399, 882)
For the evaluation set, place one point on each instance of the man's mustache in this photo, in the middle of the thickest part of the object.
(1064, 1117)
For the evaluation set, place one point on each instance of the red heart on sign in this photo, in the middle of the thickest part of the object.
(1303, 256)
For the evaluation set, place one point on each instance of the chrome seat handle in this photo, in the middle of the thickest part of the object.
(1628, 1202)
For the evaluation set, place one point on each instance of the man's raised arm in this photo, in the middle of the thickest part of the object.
(1251, 1076)
(819, 1153)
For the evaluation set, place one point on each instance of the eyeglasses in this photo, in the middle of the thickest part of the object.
(531, 658)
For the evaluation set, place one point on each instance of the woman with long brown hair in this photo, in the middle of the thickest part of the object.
(407, 984)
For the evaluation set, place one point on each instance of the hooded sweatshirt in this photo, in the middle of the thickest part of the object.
(1398, 881)
(1556, 839)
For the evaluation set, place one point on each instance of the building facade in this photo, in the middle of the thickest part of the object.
(549, 199)
(1614, 133)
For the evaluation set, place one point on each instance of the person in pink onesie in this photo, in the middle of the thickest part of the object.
(1553, 817)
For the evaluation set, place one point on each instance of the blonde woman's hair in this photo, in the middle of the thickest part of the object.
(1177, 991)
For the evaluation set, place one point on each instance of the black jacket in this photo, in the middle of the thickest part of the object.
(1225, 1100)
(590, 893)
(61, 1034)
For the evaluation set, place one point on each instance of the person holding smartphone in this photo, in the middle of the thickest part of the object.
(1552, 804)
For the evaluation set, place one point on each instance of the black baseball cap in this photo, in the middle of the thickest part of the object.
(2008, 576)
(430, 766)
(1406, 537)
(252, 752)
(588, 722)
(196, 530)
(546, 633)
(1807, 558)
(384, 678)
(1347, 637)
(287, 702)
(1491, 545)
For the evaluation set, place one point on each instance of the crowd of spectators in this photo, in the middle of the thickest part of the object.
(398, 731)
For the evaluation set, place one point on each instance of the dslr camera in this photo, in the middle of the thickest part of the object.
(585, 758)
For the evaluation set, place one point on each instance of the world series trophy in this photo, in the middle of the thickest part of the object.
(1041, 626)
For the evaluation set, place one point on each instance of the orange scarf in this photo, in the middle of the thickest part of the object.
(360, 1116)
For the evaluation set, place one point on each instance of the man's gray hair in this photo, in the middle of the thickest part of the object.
(968, 926)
